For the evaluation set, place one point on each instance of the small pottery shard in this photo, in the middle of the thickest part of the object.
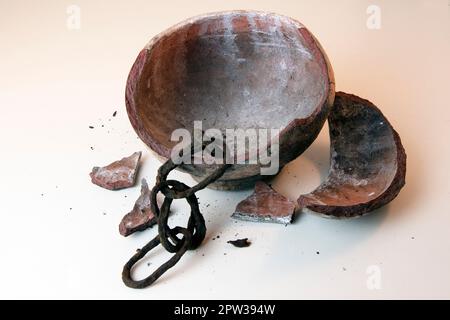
(240, 243)
(368, 162)
(265, 205)
(119, 174)
(141, 217)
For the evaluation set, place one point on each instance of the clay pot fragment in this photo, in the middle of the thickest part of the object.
(265, 205)
(236, 69)
(117, 175)
(368, 162)
(141, 217)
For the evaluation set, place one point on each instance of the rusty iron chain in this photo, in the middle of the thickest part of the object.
(192, 235)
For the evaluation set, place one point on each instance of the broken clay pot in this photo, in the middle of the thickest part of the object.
(236, 69)
(117, 175)
(265, 205)
(141, 217)
(368, 162)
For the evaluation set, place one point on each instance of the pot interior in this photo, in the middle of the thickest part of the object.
(230, 70)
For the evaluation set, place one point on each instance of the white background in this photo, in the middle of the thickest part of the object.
(55, 82)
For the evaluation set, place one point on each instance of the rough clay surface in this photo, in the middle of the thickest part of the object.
(265, 205)
(141, 217)
(368, 162)
(117, 175)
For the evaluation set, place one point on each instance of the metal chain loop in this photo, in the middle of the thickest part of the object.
(167, 167)
(196, 223)
(140, 284)
(193, 234)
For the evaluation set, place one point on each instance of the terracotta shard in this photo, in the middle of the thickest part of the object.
(368, 162)
(117, 175)
(265, 205)
(141, 217)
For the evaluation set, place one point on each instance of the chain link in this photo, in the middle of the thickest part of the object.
(192, 235)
